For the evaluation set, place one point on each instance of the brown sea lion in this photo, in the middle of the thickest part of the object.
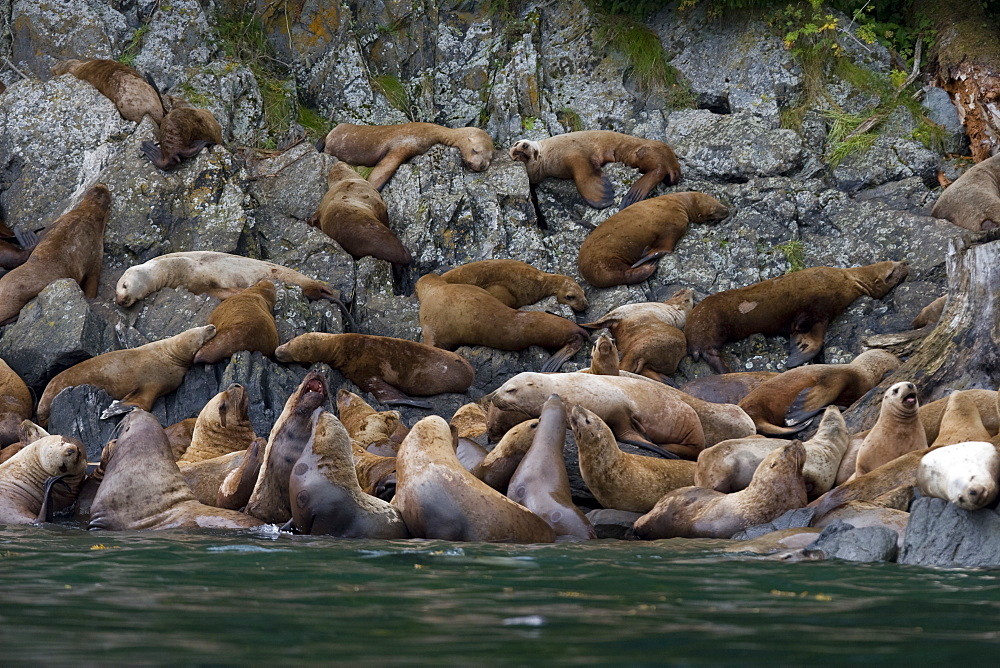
(540, 482)
(985, 400)
(625, 248)
(796, 395)
(387, 367)
(223, 426)
(364, 424)
(648, 335)
(12, 256)
(518, 284)
(88, 490)
(136, 376)
(930, 314)
(453, 315)
(439, 499)
(386, 147)
(603, 358)
(618, 479)
(897, 431)
(16, 404)
(326, 497)
(121, 84)
(25, 478)
(291, 433)
(580, 156)
(144, 489)
(799, 305)
(354, 215)
(726, 388)
(10, 450)
(205, 476)
(499, 421)
(73, 247)
(861, 514)
(179, 434)
(376, 474)
(184, 132)
(500, 463)
(973, 200)
(964, 474)
(242, 322)
(961, 421)
(696, 512)
(235, 489)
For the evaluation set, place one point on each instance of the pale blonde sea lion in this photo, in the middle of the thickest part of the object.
(964, 474)
(897, 431)
(24, 478)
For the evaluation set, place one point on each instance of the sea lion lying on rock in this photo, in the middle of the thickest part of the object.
(132, 94)
(518, 284)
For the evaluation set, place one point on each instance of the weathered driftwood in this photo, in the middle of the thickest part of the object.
(963, 350)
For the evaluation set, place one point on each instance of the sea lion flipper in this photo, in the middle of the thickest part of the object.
(640, 189)
(390, 395)
(805, 405)
(152, 153)
(45, 513)
(594, 187)
(649, 447)
(26, 237)
(386, 167)
(648, 256)
(553, 363)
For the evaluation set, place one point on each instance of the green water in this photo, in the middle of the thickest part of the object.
(69, 596)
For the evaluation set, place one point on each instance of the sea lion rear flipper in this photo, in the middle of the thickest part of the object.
(117, 408)
(45, 513)
(640, 189)
(594, 187)
(559, 358)
(152, 153)
(27, 238)
(390, 395)
(649, 256)
(808, 403)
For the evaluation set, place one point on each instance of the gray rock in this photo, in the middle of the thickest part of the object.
(889, 159)
(166, 313)
(941, 110)
(46, 32)
(942, 534)
(613, 523)
(76, 412)
(793, 519)
(840, 540)
(231, 93)
(178, 37)
(200, 384)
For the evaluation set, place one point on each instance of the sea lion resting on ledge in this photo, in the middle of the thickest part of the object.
(973, 201)
(121, 84)
(518, 284)
(800, 305)
(184, 132)
(386, 147)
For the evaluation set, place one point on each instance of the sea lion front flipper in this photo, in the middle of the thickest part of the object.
(594, 186)
(649, 447)
(45, 513)
(640, 189)
(805, 343)
(648, 256)
(809, 402)
(25, 236)
(386, 167)
(390, 395)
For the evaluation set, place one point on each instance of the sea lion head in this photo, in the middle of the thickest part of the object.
(704, 208)
(963, 473)
(571, 294)
(233, 406)
(786, 459)
(307, 348)
(311, 394)
(525, 150)
(522, 390)
(887, 276)
(132, 286)
(901, 399)
(339, 172)
(476, 147)
(61, 455)
(65, 66)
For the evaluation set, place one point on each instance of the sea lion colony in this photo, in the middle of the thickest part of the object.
(369, 474)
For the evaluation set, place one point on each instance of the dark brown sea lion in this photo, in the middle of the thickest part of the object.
(696, 512)
(386, 147)
(24, 478)
(580, 156)
(242, 322)
(799, 305)
(453, 315)
(291, 433)
(326, 497)
(624, 249)
(930, 314)
(12, 256)
(179, 434)
(973, 200)
(500, 463)
(184, 132)
(726, 388)
(518, 284)
(439, 499)
(144, 489)
(121, 84)
(16, 404)
(897, 431)
(235, 489)
(136, 376)
(223, 426)
(73, 247)
(387, 367)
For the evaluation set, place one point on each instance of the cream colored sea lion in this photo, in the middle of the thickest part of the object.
(625, 248)
(695, 512)
(386, 147)
(242, 322)
(291, 433)
(961, 421)
(962, 473)
(121, 84)
(618, 479)
(897, 431)
(500, 463)
(387, 367)
(364, 424)
(726, 388)
(439, 499)
(205, 476)
(799, 305)
(518, 284)
(223, 426)
(580, 156)
(540, 482)
(136, 376)
(326, 497)
(184, 132)
(973, 200)
(27, 478)
(73, 247)
(235, 489)
(144, 489)
(16, 404)
(354, 215)
(648, 335)
(798, 394)
(930, 314)
(453, 315)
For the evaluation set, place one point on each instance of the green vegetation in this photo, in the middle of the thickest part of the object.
(193, 95)
(570, 119)
(394, 92)
(133, 47)
(795, 254)
(528, 122)
(315, 125)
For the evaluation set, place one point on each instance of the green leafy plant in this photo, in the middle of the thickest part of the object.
(528, 122)
(795, 253)
(394, 92)
(570, 119)
(133, 47)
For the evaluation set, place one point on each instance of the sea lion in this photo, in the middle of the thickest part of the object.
(799, 305)
(439, 499)
(364, 424)
(205, 476)
(144, 489)
(930, 314)
(637, 410)
(695, 512)
(540, 482)
(184, 132)
(985, 400)
(223, 426)
(603, 358)
(861, 514)
(796, 395)
(500, 463)
(235, 489)
(179, 434)
(389, 368)
(961, 421)
(726, 388)
(580, 156)
(353, 214)
(292, 432)
(16, 404)
(499, 421)
(386, 147)
(973, 200)
(469, 423)
(73, 247)
(964, 474)
(518, 284)
(648, 335)
(131, 93)
(136, 376)
(25, 478)
(453, 315)
(376, 474)
(897, 431)
(242, 322)
(12, 256)
(626, 247)
(618, 479)
(91, 483)
(326, 497)
(10, 450)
